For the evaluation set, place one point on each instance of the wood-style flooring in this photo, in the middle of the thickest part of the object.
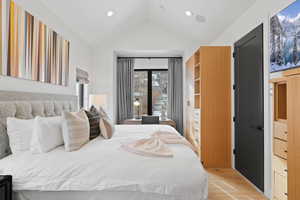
(228, 184)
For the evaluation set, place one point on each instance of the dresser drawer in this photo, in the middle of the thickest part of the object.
(280, 148)
(280, 165)
(280, 130)
(280, 186)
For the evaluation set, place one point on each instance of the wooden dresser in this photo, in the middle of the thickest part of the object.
(286, 136)
(208, 105)
(280, 140)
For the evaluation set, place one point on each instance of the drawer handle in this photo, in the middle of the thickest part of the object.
(286, 194)
(285, 151)
(286, 170)
(285, 132)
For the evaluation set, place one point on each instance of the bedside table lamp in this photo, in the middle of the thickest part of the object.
(137, 104)
(99, 100)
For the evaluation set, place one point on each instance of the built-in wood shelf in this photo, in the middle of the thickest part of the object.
(280, 101)
(211, 69)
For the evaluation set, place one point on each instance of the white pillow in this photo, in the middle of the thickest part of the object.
(76, 130)
(19, 132)
(47, 134)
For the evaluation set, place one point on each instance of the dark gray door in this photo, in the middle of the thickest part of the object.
(249, 107)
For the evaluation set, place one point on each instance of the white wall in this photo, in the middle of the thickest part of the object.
(147, 37)
(151, 64)
(259, 13)
(80, 53)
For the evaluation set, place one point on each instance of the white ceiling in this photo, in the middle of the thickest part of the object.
(88, 17)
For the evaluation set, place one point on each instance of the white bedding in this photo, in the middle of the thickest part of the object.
(101, 165)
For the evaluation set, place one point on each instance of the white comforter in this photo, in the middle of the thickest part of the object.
(101, 165)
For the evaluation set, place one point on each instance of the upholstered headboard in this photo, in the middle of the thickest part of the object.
(25, 105)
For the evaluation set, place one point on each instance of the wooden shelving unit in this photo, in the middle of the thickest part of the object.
(211, 130)
(280, 141)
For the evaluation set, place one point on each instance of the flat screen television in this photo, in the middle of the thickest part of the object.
(285, 39)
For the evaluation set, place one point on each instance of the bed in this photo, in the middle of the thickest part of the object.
(101, 169)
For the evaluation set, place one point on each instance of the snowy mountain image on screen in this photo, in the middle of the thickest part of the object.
(285, 39)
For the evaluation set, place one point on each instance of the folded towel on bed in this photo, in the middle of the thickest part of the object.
(172, 138)
(156, 145)
(149, 147)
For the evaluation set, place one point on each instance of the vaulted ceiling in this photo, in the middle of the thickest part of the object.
(88, 18)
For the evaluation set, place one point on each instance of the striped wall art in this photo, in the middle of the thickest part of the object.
(35, 51)
(1, 35)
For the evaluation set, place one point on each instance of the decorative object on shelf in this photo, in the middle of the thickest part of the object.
(35, 51)
(137, 104)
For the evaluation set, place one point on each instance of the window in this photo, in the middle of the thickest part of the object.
(151, 89)
(159, 92)
(141, 91)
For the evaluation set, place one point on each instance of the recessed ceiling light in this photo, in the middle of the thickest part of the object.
(188, 13)
(110, 13)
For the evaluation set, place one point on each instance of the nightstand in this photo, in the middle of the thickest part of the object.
(5, 187)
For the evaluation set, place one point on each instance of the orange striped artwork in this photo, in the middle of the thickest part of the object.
(1, 35)
(35, 51)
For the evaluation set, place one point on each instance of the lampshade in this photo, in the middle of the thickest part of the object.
(98, 100)
(136, 103)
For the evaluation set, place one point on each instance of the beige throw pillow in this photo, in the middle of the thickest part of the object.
(76, 130)
(107, 128)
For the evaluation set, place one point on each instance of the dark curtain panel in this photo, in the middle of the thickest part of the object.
(125, 71)
(175, 92)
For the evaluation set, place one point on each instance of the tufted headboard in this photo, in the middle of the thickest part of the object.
(25, 105)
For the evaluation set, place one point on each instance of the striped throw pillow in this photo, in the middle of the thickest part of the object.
(76, 130)
(94, 120)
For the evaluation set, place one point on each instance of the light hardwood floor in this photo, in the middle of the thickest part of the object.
(227, 184)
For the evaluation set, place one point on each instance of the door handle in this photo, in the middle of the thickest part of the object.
(260, 128)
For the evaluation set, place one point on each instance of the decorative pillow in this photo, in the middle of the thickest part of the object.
(47, 134)
(24, 110)
(107, 128)
(6, 110)
(4, 143)
(102, 112)
(94, 121)
(19, 132)
(76, 130)
(38, 109)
